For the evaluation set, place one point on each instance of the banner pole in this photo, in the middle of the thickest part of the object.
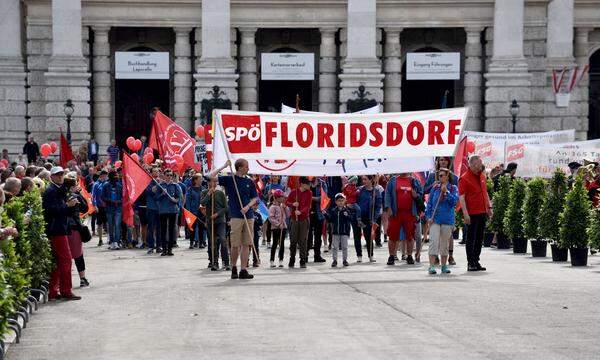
(237, 191)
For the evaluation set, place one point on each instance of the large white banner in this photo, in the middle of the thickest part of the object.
(258, 136)
(543, 160)
(501, 148)
(141, 65)
(290, 110)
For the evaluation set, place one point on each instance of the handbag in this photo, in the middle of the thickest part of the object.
(84, 233)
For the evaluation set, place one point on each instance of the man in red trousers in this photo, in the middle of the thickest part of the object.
(56, 209)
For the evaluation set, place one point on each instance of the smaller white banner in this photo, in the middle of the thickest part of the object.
(141, 65)
(287, 66)
(433, 66)
(290, 110)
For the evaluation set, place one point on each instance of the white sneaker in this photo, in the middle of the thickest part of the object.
(359, 260)
(371, 259)
(272, 264)
(113, 246)
(280, 263)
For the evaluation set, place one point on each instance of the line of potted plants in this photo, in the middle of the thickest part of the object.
(500, 202)
(574, 223)
(513, 218)
(532, 206)
(551, 209)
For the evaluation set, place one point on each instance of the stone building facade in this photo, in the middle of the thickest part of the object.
(53, 50)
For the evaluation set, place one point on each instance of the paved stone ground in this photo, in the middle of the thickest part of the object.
(146, 307)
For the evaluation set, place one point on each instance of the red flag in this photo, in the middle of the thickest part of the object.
(66, 154)
(88, 199)
(209, 146)
(190, 218)
(461, 162)
(292, 182)
(135, 182)
(171, 141)
(325, 200)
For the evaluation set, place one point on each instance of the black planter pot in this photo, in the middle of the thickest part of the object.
(579, 256)
(502, 241)
(487, 239)
(539, 248)
(519, 245)
(559, 254)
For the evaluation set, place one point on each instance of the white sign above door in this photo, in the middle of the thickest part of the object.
(141, 65)
(433, 66)
(287, 66)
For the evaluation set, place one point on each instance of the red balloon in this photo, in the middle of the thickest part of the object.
(130, 143)
(148, 158)
(118, 164)
(470, 147)
(135, 157)
(4, 162)
(148, 151)
(46, 150)
(53, 147)
(137, 144)
(200, 131)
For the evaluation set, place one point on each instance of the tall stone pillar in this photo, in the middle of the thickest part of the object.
(12, 78)
(216, 66)
(361, 66)
(248, 83)
(103, 125)
(327, 71)
(67, 76)
(392, 67)
(582, 59)
(183, 78)
(507, 77)
(474, 78)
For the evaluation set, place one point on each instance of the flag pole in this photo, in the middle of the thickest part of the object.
(237, 190)
(212, 227)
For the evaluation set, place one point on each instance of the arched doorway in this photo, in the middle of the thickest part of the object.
(426, 94)
(594, 97)
(273, 93)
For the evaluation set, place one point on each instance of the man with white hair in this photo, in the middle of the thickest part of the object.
(20, 172)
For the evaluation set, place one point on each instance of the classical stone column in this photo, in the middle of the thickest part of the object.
(392, 67)
(473, 95)
(248, 83)
(183, 78)
(582, 59)
(67, 76)
(216, 66)
(507, 76)
(327, 71)
(103, 125)
(361, 66)
(12, 77)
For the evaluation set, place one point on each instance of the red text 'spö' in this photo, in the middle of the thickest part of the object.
(244, 134)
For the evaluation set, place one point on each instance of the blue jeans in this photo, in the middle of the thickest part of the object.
(114, 225)
(153, 232)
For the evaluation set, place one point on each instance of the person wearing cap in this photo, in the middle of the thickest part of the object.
(215, 203)
(278, 215)
(56, 213)
(299, 201)
(339, 217)
(99, 204)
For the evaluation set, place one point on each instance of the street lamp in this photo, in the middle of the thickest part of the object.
(68, 108)
(514, 111)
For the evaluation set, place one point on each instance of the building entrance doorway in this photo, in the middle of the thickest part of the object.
(273, 93)
(594, 97)
(134, 100)
(426, 94)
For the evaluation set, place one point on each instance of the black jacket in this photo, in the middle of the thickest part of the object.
(56, 211)
(339, 219)
(73, 218)
(32, 150)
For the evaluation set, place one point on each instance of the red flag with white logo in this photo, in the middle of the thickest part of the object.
(190, 218)
(174, 145)
(135, 182)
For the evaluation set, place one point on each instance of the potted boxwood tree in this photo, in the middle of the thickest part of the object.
(574, 222)
(513, 218)
(593, 230)
(500, 202)
(552, 207)
(534, 199)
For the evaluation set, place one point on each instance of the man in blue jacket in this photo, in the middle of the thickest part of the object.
(153, 230)
(369, 202)
(315, 229)
(169, 203)
(99, 204)
(112, 196)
